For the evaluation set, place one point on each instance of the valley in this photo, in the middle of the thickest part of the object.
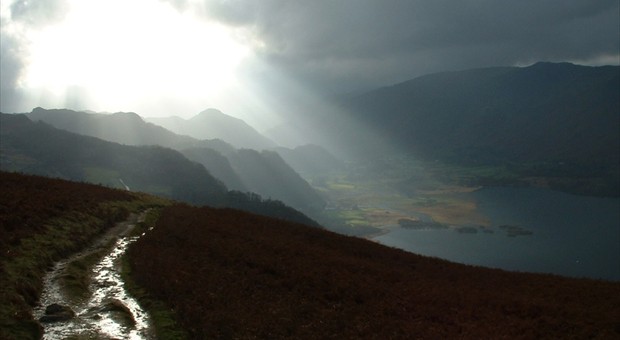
(369, 201)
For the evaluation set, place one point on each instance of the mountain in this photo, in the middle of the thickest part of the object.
(218, 165)
(121, 127)
(213, 124)
(547, 111)
(264, 173)
(222, 160)
(38, 148)
(553, 118)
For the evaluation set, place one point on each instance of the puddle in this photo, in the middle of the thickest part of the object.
(108, 311)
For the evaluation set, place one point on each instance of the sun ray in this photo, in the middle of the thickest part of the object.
(124, 52)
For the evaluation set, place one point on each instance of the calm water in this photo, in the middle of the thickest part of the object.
(571, 235)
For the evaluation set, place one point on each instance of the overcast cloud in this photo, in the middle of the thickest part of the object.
(348, 44)
(339, 46)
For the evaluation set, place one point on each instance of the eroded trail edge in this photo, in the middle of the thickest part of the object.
(108, 310)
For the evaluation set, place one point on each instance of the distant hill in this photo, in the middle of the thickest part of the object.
(218, 165)
(547, 111)
(121, 127)
(38, 148)
(235, 168)
(213, 124)
(266, 173)
(558, 118)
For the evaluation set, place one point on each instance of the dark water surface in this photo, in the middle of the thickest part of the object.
(571, 235)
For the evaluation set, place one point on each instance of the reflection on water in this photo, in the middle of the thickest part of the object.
(534, 230)
(108, 313)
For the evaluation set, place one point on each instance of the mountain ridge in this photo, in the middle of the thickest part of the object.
(214, 124)
(540, 119)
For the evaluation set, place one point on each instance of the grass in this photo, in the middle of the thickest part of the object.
(42, 221)
(162, 318)
(76, 278)
(104, 176)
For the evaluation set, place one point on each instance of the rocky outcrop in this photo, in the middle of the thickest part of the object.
(56, 313)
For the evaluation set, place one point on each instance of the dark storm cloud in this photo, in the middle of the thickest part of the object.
(11, 64)
(345, 44)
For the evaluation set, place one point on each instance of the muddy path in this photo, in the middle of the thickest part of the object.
(107, 311)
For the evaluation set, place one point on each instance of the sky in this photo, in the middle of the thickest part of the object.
(258, 60)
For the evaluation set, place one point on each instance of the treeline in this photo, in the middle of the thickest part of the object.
(229, 274)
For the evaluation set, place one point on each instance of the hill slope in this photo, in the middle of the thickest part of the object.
(234, 275)
(41, 221)
(213, 124)
(38, 148)
(556, 119)
(121, 127)
(235, 168)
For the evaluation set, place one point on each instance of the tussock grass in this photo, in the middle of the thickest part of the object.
(43, 220)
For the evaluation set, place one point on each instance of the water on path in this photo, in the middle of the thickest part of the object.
(108, 311)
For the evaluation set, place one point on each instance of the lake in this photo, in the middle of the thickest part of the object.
(541, 231)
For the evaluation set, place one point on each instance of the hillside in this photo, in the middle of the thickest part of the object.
(213, 124)
(551, 120)
(121, 127)
(129, 128)
(234, 275)
(266, 173)
(218, 165)
(38, 148)
(41, 221)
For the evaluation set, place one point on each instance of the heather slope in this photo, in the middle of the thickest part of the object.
(228, 274)
(43, 220)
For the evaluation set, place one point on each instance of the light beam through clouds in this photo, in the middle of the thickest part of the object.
(137, 55)
(264, 61)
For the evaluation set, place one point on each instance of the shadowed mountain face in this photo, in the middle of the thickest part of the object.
(236, 168)
(213, 124)
(558, 122)
(38, 148)
(266, 173)
(263, 172)
(545, 112)
(218, 165)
